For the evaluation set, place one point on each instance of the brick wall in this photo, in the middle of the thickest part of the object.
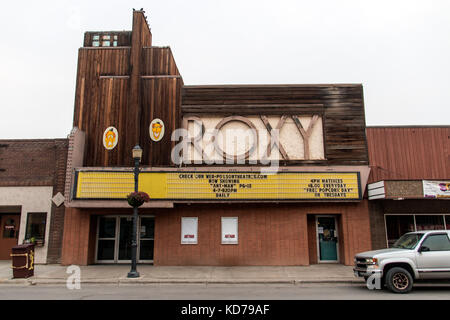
(268, 235)
(38, 162)
(271, 234)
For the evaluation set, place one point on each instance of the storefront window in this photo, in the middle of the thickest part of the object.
(398, 225)
(429, 222)
(36, 223)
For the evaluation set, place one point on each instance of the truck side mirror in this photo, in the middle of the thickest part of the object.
(424, 249)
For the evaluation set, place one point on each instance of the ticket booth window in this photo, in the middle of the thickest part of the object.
(36, 223)
(229, 230)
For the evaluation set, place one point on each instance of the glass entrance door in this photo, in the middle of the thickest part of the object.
(115, 235)
(146, 239)
(125, 236)
(106, 243)
(327, 239)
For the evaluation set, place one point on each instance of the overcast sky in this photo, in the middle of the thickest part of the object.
(398, 50)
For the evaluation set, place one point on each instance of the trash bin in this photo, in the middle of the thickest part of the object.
(23, 261)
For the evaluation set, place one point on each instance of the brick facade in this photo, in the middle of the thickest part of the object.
(268, 234)
(38, 162)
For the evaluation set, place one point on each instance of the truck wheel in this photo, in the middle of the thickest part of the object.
(399, 280)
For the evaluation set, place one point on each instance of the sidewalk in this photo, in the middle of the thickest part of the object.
(117, 274)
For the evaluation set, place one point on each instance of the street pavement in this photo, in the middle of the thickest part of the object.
(117, 274)
(310, 291)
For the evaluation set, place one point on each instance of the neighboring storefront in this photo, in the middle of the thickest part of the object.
(257, 175)
(409, 186)
(32, 179)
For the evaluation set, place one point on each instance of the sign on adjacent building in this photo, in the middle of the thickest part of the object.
(184, 185)
(436, 189)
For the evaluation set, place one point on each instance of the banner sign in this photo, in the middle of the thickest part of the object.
(220, 185)
(436, 189)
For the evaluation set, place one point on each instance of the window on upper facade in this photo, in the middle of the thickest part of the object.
(104, 40)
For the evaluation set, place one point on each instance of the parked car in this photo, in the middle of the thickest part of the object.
(421, 255)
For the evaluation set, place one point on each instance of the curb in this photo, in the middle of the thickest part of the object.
(143, 280)
(15, 281)
(332, 281)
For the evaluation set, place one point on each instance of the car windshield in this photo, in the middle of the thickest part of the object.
(408, 241)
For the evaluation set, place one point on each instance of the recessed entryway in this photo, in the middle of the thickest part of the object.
(327, 239)
(114, 236)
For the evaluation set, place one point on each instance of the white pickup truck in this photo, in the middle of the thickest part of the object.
(421, 255)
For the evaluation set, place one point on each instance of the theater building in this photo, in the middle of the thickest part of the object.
(409, 185)
(237, 174)
(32, 182)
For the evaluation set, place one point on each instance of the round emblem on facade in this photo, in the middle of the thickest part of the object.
(156, 130)
(110, 138)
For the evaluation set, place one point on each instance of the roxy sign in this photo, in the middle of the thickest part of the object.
(251, 138)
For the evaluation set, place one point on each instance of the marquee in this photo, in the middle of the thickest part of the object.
(213, 186)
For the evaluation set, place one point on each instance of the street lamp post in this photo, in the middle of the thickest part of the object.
(137, 156)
